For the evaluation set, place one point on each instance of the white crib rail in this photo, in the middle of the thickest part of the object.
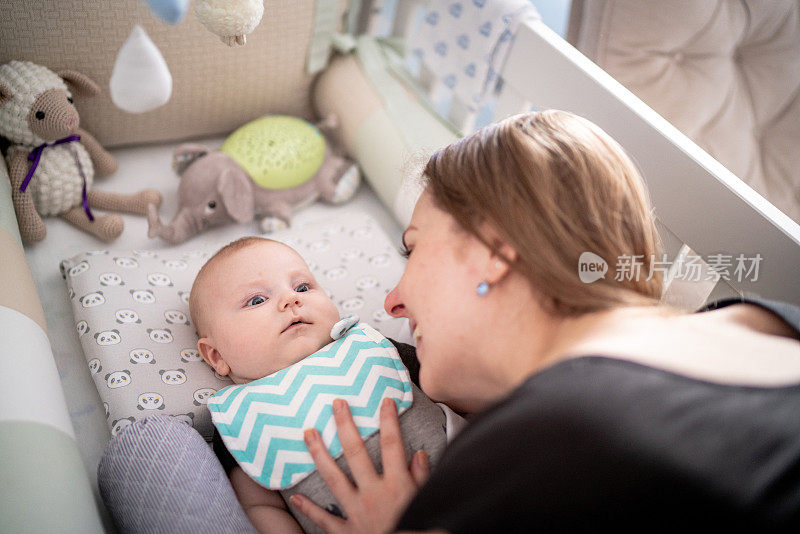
(702, 208)
(696, 198)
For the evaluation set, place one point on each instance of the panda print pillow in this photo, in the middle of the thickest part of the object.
(131, 314)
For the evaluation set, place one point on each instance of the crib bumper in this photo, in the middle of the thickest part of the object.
(383, 124)
(43, 481)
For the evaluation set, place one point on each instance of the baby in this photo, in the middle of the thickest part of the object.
(259, 311)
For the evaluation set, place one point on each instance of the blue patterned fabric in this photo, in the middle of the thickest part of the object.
(262, 422)
(465, 42)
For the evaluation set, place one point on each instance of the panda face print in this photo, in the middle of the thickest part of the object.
(158, 279)
(320, 246)
(94, 366)
(150, 401)
(186, 418)
(190, 355)
(380, 260)
(128, 263)
(176, 265)
(120, 424)
(160, 335)
(350, 254)
(336, 273)
(81, 268)
(142, 356)
(333, 229)
(221, 377)
(118, 379)
(380, 316)
(111, 279)
(351, 304)
(82, 327)
(173, 377)
(184, 295)
(143, 296)
(145, 253)
(107, 337)
(176, 317)
(362, 233)
(201, 395)
(91, 300)
(293, 242)
(366, 283)
(127, 316)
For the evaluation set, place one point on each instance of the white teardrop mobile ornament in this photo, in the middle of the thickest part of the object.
(140, 80)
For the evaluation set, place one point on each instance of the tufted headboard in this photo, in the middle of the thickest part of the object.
(725, 72)
(215, 88)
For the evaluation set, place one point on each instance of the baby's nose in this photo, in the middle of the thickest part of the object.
(290, 299)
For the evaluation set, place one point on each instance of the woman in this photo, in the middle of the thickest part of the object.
(593, 405)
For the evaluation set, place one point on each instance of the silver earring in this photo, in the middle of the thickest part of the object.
(483, 288)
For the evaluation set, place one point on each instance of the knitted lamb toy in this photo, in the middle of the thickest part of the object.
(51, 161)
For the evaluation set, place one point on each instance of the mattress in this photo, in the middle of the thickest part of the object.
(139, 167)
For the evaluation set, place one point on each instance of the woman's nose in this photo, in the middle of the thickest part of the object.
(393, 305)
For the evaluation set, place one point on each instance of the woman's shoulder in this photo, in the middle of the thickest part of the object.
(735, 342)
(575, 437)
(768, 316)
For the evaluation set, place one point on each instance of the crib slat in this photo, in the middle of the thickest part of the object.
(379, 23)
(510, 102)
(405, 17)
(462, 116)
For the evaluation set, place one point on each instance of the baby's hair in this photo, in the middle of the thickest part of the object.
(195, 300)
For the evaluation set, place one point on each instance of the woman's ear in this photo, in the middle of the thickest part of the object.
(499, 258)
(212, 356)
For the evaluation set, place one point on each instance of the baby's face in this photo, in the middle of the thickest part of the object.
(264, 310)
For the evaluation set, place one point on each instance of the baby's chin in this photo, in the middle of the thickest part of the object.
(302, 348)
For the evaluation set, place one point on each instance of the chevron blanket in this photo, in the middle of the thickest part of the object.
(262, 422)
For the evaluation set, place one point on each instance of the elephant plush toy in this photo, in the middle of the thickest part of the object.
(263, 171)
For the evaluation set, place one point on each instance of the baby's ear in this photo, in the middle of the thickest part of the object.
(212, 356)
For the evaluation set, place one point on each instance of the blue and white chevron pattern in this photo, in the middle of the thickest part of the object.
(262, 423)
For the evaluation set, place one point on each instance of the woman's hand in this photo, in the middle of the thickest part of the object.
(374, 504)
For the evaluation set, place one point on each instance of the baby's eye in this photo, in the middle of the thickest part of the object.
(405, 251)
(255, 301)
(302, 288)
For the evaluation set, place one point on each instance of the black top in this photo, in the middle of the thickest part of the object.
(596, 443)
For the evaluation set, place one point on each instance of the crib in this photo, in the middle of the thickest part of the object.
(391, 116)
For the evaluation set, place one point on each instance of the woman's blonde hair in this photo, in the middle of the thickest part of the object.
(554, 185)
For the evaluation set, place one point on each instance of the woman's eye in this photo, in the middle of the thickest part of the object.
(302, 288)
(255, 301)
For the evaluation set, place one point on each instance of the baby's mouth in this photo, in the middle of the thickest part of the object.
(296, 323)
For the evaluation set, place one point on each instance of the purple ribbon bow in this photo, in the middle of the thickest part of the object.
(36, 154)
